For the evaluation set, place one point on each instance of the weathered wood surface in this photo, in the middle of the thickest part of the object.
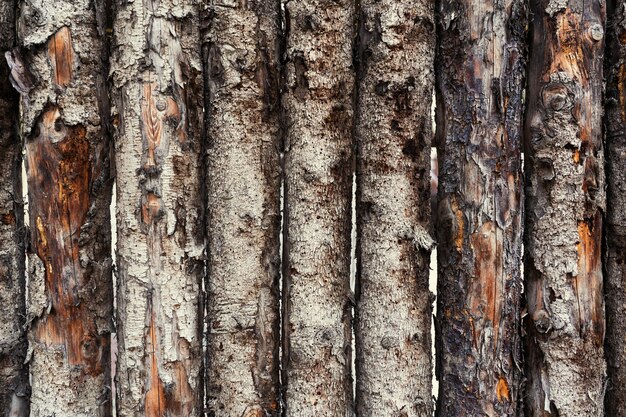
(396, 47)
(615, 227)
(60, 73)
(480, 78)
(318, 177)
(157, 88)
(13, 346)
(565, 197)
(243, 218)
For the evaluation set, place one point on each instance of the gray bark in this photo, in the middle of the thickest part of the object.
(13, 372)
(318, 166)
(615, 228)
(60, 73)
(479, 122)
(565, 199)
(393, 130)
(243, 191)
(157, 88)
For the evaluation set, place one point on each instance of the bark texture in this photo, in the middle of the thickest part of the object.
(480, 80)
(158, 92)
(565, 199)
(243, 191)
(60, 73)
(615, 228)
(318, 178)
(396, 48)
(13, 345)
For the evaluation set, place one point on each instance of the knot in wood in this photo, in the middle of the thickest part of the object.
(326, 336)
(542, 321)
(596, 32)
(161, 105)
(89, 348)
(388, 342)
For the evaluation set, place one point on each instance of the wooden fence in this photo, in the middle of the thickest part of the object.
(245, 144)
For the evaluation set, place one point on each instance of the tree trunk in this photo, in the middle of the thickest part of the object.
(318, 177)
(393, 130)
(13, 346)
(565, 198)
(243, 188)
(61, 75)
(479, 120)
(158, 93)
(615, 230)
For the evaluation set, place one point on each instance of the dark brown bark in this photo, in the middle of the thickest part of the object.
(480, 77)
(396, 48)
(565, 198)
(64, 114)
(318, 178)
(615, 226)
(13, 372)
(243, 222)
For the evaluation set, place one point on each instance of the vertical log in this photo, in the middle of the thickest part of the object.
(64, 116)
(158, 93)
(479, 113)
(318, 166)
(565, 198)
(393, 129)
(615, 229)
(243, 191)
(13, 345)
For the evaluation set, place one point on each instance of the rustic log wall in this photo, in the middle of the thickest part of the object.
(217, 105)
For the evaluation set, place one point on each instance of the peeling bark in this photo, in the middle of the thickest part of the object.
(615, 229)
(243, 191)
(565, 199)
(60, 73)
(481, 57)
(157, 90)
(318, 166)
(13, 345)
(393, 129)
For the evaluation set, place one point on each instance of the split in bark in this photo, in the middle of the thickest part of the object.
(565, 365)
(243, 191)
(60, 73)
(318, 178)
(395, 54)
(480, 78)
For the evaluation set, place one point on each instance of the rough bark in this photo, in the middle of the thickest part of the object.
(13, 345)
(158, 92)
(318, 178)
(60, 72)
(480, 79)
(393, 130)
(565, 199)
(615, 228)
(243, 191)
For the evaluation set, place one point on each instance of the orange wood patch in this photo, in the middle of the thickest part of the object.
(61, 56)
(58, 179)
